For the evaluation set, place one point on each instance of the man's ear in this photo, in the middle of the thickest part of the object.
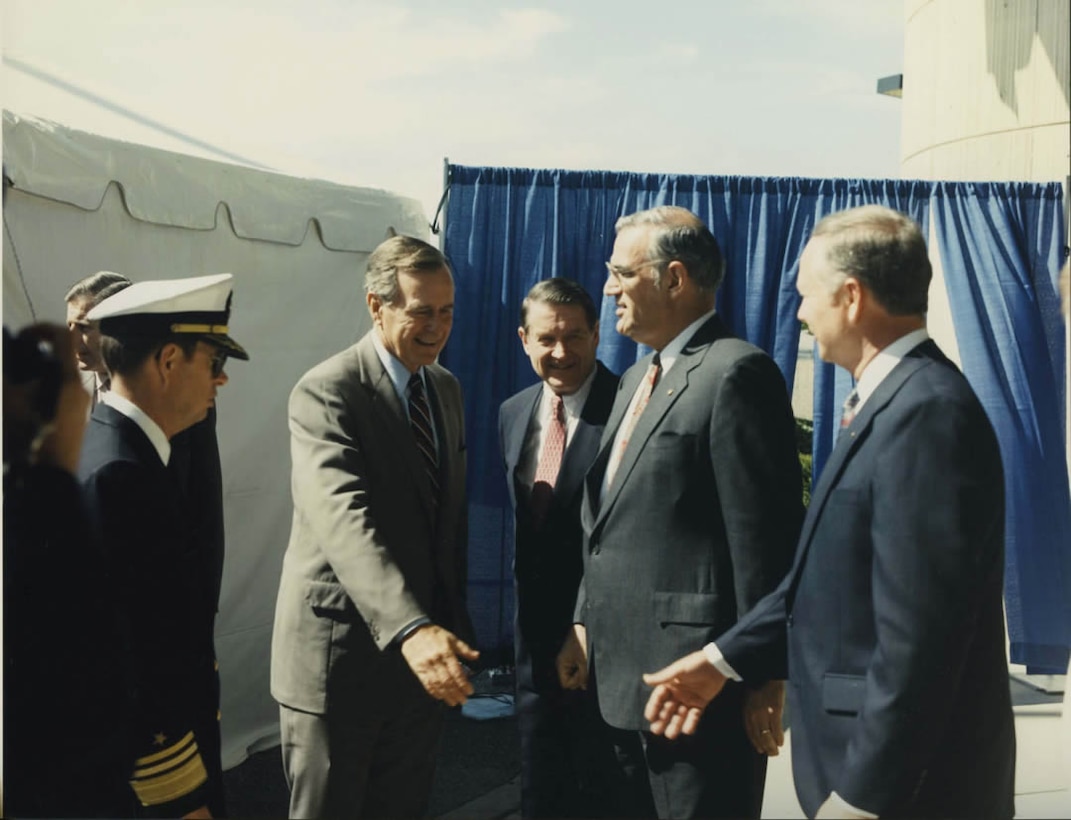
(523, 337)
(856, 297)
(375, 304)
(167, 359)
(674, 276)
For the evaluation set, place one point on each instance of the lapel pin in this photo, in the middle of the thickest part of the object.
(669, 392)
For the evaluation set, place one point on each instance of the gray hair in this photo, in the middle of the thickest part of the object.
(679, 235)
(397, 254)
(885, 250)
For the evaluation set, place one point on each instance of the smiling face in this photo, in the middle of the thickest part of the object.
(415, 326)
(642, 305)
(86, 335)
(560, 345)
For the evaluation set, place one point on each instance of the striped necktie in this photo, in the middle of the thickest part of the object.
(421, 424)
(650, 379)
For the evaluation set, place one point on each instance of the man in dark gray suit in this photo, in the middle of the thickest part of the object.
(548, 435)
(370, 623)
(890, 625)
(691, 510)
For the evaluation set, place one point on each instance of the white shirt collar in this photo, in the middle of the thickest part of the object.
(574, 402)
(883, 363)
(149, 427)
(671, 352)
(398, 372)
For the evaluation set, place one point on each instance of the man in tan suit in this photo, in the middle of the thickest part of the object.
(370, 622)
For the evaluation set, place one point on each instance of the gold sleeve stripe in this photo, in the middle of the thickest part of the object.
(168, 752)
(166, 765)
(171, 785)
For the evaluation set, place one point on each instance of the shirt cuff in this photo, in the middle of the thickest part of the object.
(717, 660)
(409, 629)
(848, 807)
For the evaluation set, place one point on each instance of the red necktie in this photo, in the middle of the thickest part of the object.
(550, 461)
(650, 379)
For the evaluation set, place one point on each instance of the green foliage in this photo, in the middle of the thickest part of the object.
(804, 439)
(804, 435)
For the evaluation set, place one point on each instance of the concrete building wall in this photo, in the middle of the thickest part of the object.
(985, 92)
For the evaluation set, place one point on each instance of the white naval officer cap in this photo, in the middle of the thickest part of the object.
(199, 306)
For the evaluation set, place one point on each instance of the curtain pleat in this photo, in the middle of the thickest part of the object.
(508, 228)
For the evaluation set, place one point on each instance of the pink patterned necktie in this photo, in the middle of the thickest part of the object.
(550, 461)
(650, 379)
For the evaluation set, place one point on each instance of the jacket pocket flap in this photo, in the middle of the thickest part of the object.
(843, 693)
(327, 596)
(685, 607)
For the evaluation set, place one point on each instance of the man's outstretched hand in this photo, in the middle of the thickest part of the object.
(681, 692)
(435, 654)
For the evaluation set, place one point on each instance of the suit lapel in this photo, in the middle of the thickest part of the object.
(630, 380)
(574, 464)
(393, 416)
(517, 427)
(449, 445)
(666, 393)
(848, 444)
(128, 430)
(585, 441)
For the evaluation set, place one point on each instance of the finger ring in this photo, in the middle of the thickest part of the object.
(764, 732)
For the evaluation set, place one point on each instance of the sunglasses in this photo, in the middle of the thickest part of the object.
(219, 361)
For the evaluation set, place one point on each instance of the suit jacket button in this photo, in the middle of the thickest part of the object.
(788, 621)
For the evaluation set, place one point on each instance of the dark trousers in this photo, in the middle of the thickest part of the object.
(568, 766)
(714, 773)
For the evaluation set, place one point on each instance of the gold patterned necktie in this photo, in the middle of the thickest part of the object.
(650, 379)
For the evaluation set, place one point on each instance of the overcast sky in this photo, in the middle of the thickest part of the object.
(376, 93)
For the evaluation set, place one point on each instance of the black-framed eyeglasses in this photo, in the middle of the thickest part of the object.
(617, 271)
(219, 361)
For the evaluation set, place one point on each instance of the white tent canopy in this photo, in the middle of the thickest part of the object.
(79, 203)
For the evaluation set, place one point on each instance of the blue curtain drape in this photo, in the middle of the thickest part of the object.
(1001, 246)
(507, 228)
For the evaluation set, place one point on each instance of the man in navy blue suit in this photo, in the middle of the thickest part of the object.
(565, 753)
(890, 624)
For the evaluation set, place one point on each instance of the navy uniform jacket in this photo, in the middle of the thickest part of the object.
(891, 619)
(67, 698)
(164, 582)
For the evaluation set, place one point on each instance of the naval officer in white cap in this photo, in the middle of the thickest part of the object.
(165, 344)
